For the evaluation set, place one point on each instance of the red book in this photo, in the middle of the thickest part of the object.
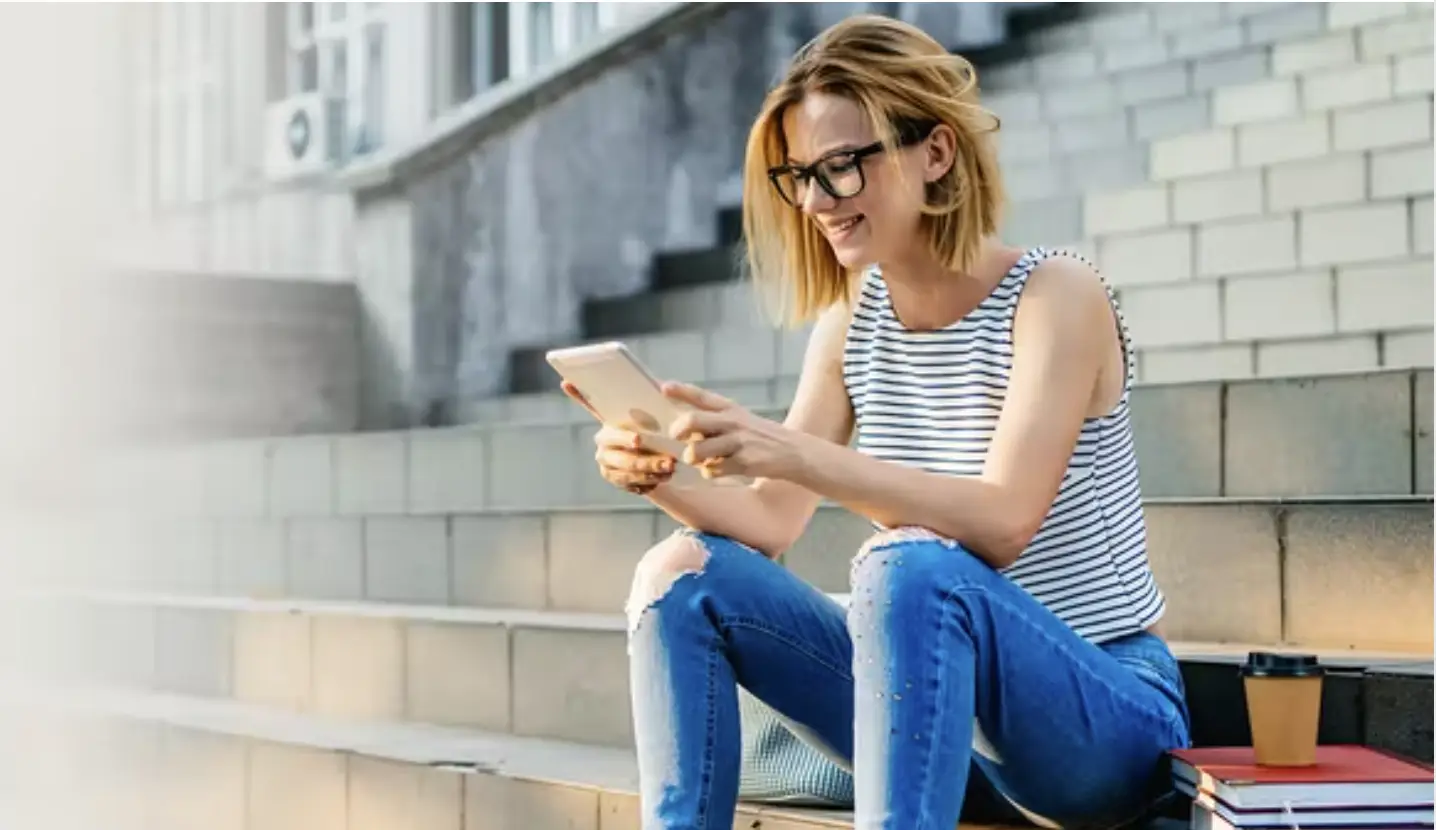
(1343, 776)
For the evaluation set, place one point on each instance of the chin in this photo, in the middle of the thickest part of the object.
(852, 257)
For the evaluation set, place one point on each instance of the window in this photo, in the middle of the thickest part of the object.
(540, 34)
(585, 22)
(180, 114)
(338, 49)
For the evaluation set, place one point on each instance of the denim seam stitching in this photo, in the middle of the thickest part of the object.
(786, 639)
(1170, 719)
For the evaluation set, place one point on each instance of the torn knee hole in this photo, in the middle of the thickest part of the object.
(657, 572)
(894, 536)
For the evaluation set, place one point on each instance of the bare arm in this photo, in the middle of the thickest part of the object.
(770, 514)
(1062, 332)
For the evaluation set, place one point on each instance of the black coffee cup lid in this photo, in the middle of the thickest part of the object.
(1269, 664)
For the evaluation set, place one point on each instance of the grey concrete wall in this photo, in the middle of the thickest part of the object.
(510, 235)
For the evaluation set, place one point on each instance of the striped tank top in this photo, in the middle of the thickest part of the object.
(932, 399)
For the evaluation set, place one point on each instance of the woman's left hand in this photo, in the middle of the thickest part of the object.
(725, 439)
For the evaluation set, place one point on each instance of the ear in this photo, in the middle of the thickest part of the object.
(940, 152)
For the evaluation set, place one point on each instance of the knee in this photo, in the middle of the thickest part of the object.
(679, 555)
(908, 559)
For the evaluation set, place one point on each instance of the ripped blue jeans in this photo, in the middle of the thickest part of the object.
(944, 677)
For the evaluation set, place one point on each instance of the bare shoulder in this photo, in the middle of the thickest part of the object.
(1065, 297)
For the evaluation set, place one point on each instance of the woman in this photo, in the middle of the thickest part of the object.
(1004, 623)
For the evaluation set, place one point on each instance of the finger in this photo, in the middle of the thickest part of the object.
(696, 397)
(718, 447)
(608, 436)
(629, 480)
(624, 461)
(572, 391)
(698, 425)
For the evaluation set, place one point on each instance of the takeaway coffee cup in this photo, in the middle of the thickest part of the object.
(1283, 694)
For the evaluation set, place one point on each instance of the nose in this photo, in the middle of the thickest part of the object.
(815, 199)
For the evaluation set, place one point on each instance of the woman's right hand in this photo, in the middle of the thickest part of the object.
(622, 459)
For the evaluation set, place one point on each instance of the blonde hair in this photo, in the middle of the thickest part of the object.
(896, 74)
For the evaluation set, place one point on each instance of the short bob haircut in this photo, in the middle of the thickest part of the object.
(898, 76)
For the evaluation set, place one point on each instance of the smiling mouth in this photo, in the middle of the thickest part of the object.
(842, 229)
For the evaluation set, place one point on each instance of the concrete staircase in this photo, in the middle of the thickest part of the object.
(423, 628)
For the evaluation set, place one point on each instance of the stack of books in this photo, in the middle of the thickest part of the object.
(1348, 787)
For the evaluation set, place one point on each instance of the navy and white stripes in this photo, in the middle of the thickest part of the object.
(932, 400)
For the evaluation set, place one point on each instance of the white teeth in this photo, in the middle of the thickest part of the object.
(848, 224)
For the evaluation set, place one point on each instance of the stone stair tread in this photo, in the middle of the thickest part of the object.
(1380, 660)
(463, 750)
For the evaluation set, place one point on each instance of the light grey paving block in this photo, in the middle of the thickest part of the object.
(1423, 432)
(592, 555)
(1195, 43)
(571, 685)
(618, 811)
(185, 558)
(121, 643)
(1161, 119)
(251, 557)
(741, 355)
(539, 406)
(696, 307)
(1106, 169)
(1359, 576)
(272, 659)
(493, 802)
(1140, 54)
(1237, 67)
(301, 477)
(358, 669)
(458, 675)
(370, 474)
(1122, 26)
(1015, 106)
(205, 777)
(823, 554)
(1141, 86)
(296, 788)
(500, 561)
(1229, 551)
(406, 559)
(193, 653)
(531, 467)
(740, 306)
(1177, 17)
(234, 478)
(446, 471)
(1033, 223)
(326, 558)
(1325, 436)
(388, 795)
(678, 355)
(1034, 180)
(1065, 67)
(1285, 24)
(1178, 435)
(1086, 98)
(488, 410)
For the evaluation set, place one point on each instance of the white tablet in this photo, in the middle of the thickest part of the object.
(623, 393)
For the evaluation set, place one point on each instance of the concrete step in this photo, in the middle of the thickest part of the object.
(1348, 573)
(129, 761)
(536, 674)
(1359, 434)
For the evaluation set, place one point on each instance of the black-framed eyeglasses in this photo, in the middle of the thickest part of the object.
(840, 173)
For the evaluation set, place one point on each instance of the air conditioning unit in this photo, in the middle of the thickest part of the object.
(304, 135)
